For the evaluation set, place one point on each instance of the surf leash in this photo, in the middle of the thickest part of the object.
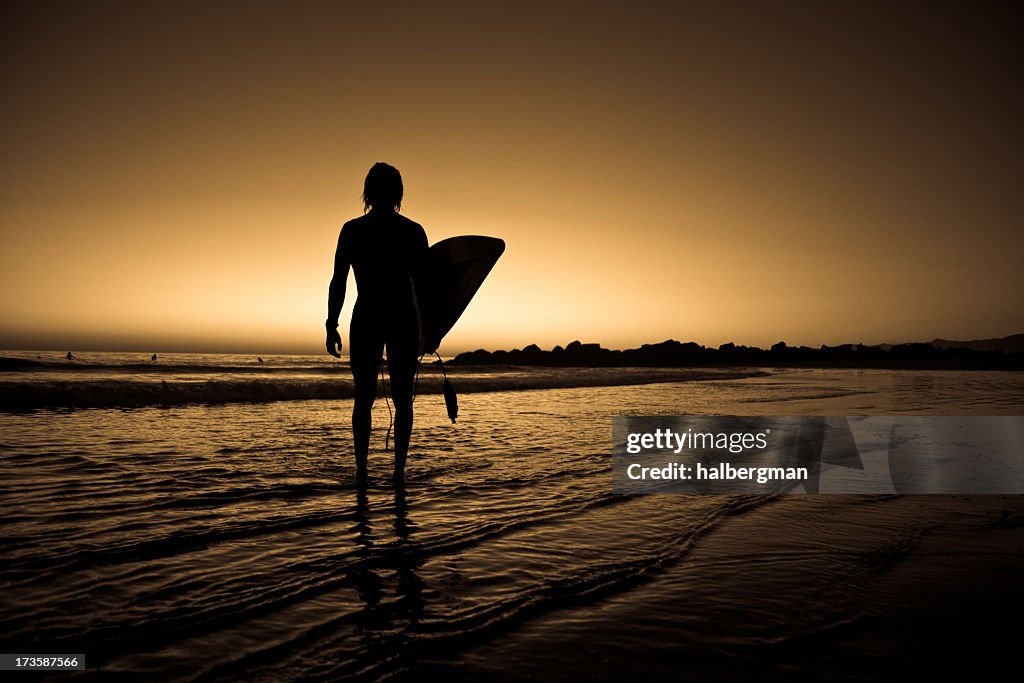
(451, 399)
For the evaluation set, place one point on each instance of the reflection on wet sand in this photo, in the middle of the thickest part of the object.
(386, 580)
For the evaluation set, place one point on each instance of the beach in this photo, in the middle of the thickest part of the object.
(225, 540)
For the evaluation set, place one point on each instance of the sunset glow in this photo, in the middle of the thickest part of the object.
(176, 180)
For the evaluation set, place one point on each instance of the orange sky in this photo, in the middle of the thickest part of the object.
(174, 176)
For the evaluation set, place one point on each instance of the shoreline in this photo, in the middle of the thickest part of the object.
(25, 395)
(115, 387)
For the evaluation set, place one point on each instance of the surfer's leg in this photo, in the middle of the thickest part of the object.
(402, 369)
(365, 350)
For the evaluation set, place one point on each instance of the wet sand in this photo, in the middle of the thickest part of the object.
(228, 542)
(805, 588)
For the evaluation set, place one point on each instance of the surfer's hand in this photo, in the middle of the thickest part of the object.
(333, 342)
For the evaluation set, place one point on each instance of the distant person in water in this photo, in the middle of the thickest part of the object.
(153, 359)
(260, 359)
(383, 248)
(70, 356)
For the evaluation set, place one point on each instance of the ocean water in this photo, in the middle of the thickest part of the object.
(44, 379)
(224, 540)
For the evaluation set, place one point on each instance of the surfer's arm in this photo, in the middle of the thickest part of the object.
(336, 295)
(336, 292)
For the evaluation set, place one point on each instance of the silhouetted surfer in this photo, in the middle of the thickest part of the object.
(383, 249)
(153, 359)
(70, 356)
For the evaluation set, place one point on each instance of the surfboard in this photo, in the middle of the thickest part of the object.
(451, 274)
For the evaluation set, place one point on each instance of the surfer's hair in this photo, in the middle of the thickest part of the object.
(383, 187)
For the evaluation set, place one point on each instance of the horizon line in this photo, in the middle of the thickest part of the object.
(89, 348)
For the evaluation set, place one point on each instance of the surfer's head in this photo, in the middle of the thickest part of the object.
(382, 188)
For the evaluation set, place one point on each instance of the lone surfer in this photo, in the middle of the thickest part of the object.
(383, 249)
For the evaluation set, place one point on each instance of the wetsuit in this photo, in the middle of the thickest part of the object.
(384, 249)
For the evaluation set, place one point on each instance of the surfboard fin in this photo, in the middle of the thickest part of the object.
(451, 400)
